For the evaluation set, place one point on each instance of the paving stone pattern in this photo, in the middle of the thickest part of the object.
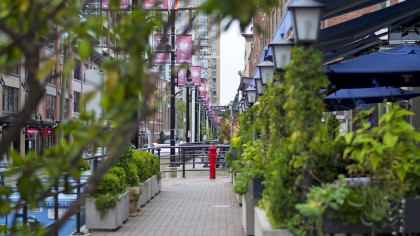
(190, 207)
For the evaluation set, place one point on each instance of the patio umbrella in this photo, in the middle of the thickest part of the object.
(396, 67)
(346, 99)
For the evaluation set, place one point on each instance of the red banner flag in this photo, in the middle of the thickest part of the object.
(202, 89)
(182, 77)
(196, 75)
(160, 57)
(183, 49)
(155, 4)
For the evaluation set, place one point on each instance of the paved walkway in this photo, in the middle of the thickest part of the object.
(190, 206)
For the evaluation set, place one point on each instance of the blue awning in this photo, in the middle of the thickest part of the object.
(397, 67)
(346, 99)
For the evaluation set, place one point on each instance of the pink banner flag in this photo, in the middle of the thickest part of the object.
(196, 75)
(155, 4)
(124, 4)
(161, 57)
(202, 89)
(182, 77)
(183, 49)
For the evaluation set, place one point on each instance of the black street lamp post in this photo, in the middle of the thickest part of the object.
(172, 111)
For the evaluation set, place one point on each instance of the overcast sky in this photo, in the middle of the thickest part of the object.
(231, 61)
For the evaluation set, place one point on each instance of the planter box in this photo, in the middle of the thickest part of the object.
(154, 182)
(149, 189)
(248, 205)
(263, 226)
(112, 219)
(143, 194)
(411, 222)
(125, 209)
(256, 187)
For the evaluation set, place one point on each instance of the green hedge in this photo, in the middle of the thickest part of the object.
(147, 164)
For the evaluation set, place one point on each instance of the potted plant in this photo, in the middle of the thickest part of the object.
(106, 209)
(385, 199)
(128, 163)
(148, 173)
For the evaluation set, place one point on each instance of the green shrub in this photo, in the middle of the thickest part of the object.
(121, 175)
(109, 184)
(241, 184)
(132, 175)
(104, 202)
(126, 156)
(140, 160)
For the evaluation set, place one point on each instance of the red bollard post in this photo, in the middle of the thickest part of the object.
(212, 161)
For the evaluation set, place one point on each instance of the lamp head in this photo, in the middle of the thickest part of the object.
(306, 15)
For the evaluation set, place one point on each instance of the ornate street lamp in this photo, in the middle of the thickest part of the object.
(281, 53)
(251, 95)
(266, 71)
(306, 15)
(259, 85)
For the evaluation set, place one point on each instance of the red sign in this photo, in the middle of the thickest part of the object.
(155, 4)
(46, 131)
(32, 131)
(183, 49)
(161, 57)
(182, 77)
(196, 75)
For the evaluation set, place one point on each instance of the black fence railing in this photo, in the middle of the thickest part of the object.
(190, 155)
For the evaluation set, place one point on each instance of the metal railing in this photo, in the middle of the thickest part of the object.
(187, 155)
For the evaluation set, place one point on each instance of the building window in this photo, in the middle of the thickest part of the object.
(202, 27)
(204, 42)
(203, 34)
(76, 99)
(213, 73)
(77, 69)
(10, 99)
(50, 105)
(14, 70)
(214, 93)
(214, 80)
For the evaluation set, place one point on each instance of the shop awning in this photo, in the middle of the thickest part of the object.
(397, 67)
(395, 17)
(346, 99)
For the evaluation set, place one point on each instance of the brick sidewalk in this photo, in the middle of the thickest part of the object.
(191, 206)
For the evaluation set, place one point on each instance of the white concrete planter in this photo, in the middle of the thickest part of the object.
(125, 211)
(143, 194)
(154, 182)
(248, 205)
(149, 189)
(112, 219)
(263, 226)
